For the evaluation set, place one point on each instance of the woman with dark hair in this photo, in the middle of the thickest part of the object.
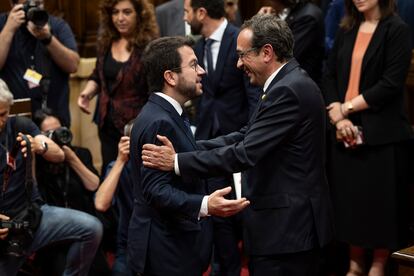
(368, 154)
(126, 26)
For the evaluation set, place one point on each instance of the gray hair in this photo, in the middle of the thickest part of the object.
(5, 95)
(268, 29)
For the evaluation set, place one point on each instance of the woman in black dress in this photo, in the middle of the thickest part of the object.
(364, 93)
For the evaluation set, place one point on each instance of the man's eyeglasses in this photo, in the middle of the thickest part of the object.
(194, 65)
(243, 54)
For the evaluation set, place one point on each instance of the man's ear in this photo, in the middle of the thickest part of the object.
(200, 13)
(268, 53)
(170, 77)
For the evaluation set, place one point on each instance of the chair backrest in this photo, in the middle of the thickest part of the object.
(21, 107)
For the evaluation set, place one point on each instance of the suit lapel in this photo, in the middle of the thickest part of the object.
(376, 40)
(154, 98)
(224, 51)
(292, 64)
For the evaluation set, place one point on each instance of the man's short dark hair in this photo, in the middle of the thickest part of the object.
(161, 55)
(215, 8)
(268, 29)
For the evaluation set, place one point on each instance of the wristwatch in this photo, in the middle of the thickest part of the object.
(45, 147)
(46, 41)
(349, 106)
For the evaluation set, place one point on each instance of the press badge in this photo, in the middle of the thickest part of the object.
(11, 162)
(33, 78)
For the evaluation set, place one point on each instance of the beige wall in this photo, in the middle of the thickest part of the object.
(84, 130)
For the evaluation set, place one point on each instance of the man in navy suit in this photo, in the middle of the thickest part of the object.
(282, 154)
(168, 230)
(227, 102)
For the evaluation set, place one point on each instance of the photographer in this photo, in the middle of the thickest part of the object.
(32, 39)
(69, 184)
(73, 181)
(53, 224)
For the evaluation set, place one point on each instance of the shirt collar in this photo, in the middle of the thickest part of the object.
(217, 35)
(272, 76)
(284, 14)
(172, 101)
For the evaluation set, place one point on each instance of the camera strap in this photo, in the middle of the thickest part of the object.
(29, 170)
(43, 62)
(12, 156)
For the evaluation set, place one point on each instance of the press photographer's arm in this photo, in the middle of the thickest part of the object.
(89, 179)
(44, 146)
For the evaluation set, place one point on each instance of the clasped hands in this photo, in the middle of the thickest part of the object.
(346, 131)
(163, 157)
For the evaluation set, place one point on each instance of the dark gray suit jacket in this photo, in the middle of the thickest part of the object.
(282, 154)
(170, 18)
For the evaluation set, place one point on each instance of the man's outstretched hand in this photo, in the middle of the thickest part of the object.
(222, 207)
(159, 157)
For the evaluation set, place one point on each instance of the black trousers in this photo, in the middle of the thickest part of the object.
(304, 263)
(109, 136)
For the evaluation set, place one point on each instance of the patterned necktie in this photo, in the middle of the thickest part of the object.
(209, 56)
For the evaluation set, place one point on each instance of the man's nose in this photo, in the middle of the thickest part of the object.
(239, 63)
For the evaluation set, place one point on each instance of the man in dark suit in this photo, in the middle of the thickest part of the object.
(170, 18)
(281, 152)
(227, 102)
(168, 231)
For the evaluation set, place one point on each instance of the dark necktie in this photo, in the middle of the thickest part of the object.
(209, 56)
(186, 121)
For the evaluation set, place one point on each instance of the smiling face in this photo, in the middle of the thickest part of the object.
(250, 60)
(124, 18)
(189, 79)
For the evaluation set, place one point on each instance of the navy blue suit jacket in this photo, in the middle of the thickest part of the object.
(228, 99)
(165, 235)
(282, 151)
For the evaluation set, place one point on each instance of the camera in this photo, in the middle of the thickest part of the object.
(61, 136)
(17, 238)
(34, 13)
(14, 225)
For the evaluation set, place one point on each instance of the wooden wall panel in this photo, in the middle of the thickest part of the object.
(4, 6)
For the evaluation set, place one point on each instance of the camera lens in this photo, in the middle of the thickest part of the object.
(38, 16)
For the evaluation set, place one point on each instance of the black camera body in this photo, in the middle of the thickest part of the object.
(17, 238)
(61, 136)
(14, 225)
(34, 13)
